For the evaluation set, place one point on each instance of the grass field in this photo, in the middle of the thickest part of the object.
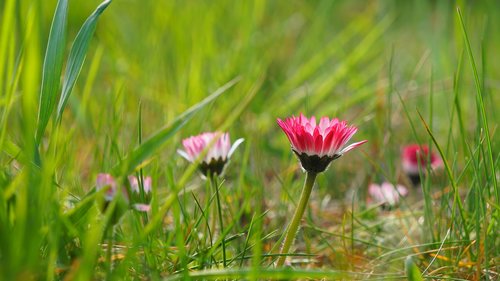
(76, 103)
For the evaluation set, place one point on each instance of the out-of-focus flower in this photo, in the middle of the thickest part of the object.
(387, 194)
(142, 207)
(415, 158)
(317, 145)
(136, 192)
(122, 201)
(104, 180)
(134, 184)
(217, 155)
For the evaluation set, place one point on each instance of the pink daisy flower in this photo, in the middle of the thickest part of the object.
(415, 158)
(104, 180)
(387, 194)
(134, 184)
(317, 145)
(107, 181)
(217, 155)
(136, 192)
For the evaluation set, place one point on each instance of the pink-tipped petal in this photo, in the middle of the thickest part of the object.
(352, 146)
(403, 191)
(218, 149)
(134, 183)
(135, 187)
(142, 207)
(234, 146)
(220, 146)
(147, 184)
(387, 193)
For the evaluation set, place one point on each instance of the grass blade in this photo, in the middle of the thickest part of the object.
(52, 67)
(480, 104)
(264, 273)
(457, 199)
(77, 56)
(412, 272)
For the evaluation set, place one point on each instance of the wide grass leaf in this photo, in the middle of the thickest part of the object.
(52, 67)
(77, 56)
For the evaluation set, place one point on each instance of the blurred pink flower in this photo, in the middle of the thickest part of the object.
(415, 158)
(217, 155)
(104, 180)
(128, 200)
(134, 184)
(112, 192)
(386, 194)
(317, 145)
(142, 207)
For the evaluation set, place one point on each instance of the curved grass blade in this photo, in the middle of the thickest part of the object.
(52, 67)
(77, 56)
(448, 170)
(148, 147)
(263, 273)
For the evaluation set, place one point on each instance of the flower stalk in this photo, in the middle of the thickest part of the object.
(109, 252)
(297, 217)
(211, 150)
(221, 223)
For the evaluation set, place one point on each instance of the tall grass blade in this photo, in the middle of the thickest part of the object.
(77, 56)
(5, 36)
(480, 104)
(457, 199)
(52, 67)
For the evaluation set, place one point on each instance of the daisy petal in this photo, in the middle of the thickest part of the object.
(351, 146)
(234, 146)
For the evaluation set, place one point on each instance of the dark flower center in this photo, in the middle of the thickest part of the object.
(414, 178)
(314, 163)
(214, 167)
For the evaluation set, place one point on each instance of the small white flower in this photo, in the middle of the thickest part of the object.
(387, 193)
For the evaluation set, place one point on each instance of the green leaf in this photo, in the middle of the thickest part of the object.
(77, 56)
(148, 147)
(52, 67)
(412, 271)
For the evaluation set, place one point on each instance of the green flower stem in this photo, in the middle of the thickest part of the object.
(214, 183)
(297, 216)
(109, 253)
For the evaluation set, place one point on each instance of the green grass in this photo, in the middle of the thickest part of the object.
(115, 89)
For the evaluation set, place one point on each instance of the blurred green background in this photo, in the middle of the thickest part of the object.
(318, 57)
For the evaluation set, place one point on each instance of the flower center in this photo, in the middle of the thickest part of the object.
(314, 163)
(214, 167)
